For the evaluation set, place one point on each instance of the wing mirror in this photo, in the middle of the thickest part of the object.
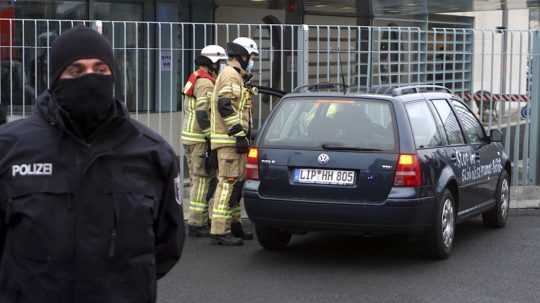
(496, 136)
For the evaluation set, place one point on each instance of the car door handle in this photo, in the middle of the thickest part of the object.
(477, 156)
(453, 157)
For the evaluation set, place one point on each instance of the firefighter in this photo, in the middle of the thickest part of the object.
(230, 130)
(195, 135)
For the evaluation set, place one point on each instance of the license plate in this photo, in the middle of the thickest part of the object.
(324, 176)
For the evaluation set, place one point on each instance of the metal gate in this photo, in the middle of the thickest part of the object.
(495, 72)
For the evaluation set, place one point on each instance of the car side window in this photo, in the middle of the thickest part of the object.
(423, 125)
(451, 125)
(472, 128)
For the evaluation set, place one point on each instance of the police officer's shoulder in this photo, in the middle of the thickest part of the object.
(153, 137)
(20, 127)
(148, 133)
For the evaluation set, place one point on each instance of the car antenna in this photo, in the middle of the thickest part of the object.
(341, 71)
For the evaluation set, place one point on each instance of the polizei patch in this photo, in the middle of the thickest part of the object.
(35, 169)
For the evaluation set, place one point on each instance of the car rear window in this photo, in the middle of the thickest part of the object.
(310, 123)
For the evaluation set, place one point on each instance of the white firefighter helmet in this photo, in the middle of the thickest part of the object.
(248, 44)
(214, 52)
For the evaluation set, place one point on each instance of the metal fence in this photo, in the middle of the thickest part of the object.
(493, 71)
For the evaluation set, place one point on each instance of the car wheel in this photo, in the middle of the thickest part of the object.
(498, 216)
(441, 236)
(272, 238)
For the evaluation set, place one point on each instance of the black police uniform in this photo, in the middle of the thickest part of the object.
(85, 222)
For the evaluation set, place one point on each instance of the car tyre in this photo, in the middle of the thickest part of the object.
(440, 239)
(498, 216)
(272, 238)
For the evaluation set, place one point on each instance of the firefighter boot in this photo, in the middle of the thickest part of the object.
(239, 231)
(198, 231)
(226, 240)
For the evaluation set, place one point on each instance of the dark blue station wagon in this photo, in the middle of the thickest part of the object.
(413, 161)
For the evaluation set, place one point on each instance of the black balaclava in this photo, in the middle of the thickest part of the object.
(88, 100)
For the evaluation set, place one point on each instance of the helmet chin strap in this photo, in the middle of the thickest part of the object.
(243, 63)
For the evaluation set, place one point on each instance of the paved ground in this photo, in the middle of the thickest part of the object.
(487, 266)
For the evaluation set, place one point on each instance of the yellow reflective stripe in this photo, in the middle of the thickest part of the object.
(215, 216)
(232, 142)
(198, 209)
(237, 89)
(199, 204)
(193, 135)
(201, 101)
(224, 91)
(201, 195)
(232, 121)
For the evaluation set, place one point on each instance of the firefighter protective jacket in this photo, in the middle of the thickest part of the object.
(230, 112)
(85, 223)
(197, 91)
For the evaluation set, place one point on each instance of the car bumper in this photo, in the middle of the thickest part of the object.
(403, 215)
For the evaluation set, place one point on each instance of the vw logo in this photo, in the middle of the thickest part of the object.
(323, 159)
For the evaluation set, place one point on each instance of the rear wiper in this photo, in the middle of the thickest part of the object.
(329, 146)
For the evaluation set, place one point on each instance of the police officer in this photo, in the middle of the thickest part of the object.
(230, 129)
(196, 134)
(89, 211)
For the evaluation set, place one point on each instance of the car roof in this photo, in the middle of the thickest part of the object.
(385, 97)
(391, 93)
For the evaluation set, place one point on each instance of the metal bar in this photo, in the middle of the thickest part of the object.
(11, 40)
(510, 102)
(359, 59)
(526, 150)
(517, 144)
(23, 73)
(171, 81)
(292, 58)
(388, 55)
(482, 57)
(148, 51)
(491, 81)
(454, 51)
(136, 86)
(399, 56)
(463, 60)
(114, 53)
(444, 56)
(125, 64)
(422, 53)
(369, 63)
(348, 55)
(328, 54)
(259, 121)
(409, 49)
(36, 47)
(318, 53)
(282, 65)
(434, 54)
(160, 58)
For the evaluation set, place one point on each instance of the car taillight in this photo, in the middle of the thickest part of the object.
(252, 166)
(408, 173)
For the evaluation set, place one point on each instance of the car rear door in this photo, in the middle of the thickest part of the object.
(457, 153)
(484, 154)
(429, 140)
(329, 150)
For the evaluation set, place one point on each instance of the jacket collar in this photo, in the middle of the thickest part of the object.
(112, 132)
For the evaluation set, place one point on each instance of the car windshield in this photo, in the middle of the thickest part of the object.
(363, 125)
